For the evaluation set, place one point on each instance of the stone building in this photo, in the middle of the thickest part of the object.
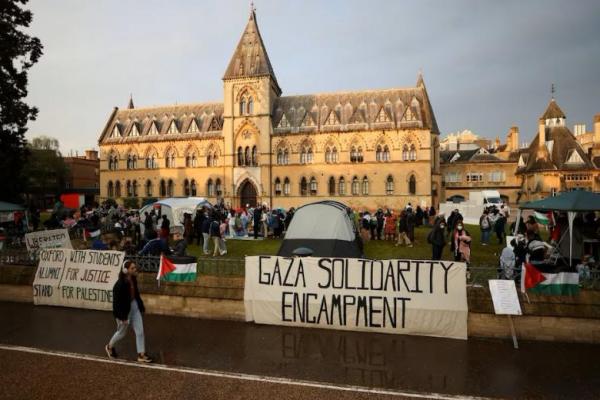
(367, 149)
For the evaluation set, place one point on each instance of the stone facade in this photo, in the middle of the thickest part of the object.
(367, 149)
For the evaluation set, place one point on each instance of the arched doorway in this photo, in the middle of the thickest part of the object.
(247, 194)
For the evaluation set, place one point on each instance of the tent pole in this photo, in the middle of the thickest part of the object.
(571, 216)
(517, 222)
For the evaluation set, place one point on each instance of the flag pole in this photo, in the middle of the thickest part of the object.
(512, 332)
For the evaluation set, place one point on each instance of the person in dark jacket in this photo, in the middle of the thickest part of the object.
(206, 233)
(198, 220)
(437, 240)
(179, 244)
(257, 221)
(128, 308)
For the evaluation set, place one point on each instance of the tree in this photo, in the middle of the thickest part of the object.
(18, 53)
(45, 173)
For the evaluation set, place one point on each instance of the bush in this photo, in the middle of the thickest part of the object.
(131, 202)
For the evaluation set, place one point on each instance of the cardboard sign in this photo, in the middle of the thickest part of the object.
(504, 296)
(76, 278)
(48, 239)
(389, 296)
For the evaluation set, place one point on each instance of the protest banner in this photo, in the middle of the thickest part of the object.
(76, 278)
(506, 302)
(415, 297)
(48, 239)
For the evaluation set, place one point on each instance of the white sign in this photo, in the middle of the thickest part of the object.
(76, 278)
(415, 297)
(504, 296)
(48, 239)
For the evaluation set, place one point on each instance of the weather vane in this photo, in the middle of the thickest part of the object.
(552, 90)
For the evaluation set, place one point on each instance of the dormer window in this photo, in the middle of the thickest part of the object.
(173, 128)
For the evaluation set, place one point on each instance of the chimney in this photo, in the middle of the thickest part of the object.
(542, 150)
(597, 128)
(497, 142)
(91, 155)
(512, 140)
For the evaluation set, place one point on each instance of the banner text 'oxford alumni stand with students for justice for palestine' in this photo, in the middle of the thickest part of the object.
(76, 278)
(417, 297)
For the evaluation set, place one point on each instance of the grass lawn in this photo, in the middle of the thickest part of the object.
(481, 256)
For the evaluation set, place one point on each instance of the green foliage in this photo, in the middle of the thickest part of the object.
(18, 53)
(131, 202)
(45, 171)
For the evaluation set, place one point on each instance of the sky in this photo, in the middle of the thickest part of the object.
(488, 65)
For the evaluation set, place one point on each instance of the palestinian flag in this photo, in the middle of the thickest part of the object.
(543, 219)
(549, 280)
(177, 269)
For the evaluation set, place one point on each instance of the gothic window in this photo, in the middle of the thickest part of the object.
(306, 154)
(113, 162)
(386, 153)
(247, 159)
(173, 127)
(379, 153)
(313, 186)
(389, 185)
(356, 154)
(286, 187)
(328, 155)
(355, 186)
(240, 156)
(412, 154)
(405, 153)
(193, 187)
(191, 160)
(151, 162)
(218, 188)
(342, 186)
(170, 188)
(243, 105)
(303, 187)
(153, 129)
(209, 160)
(334, 155)
(331, 186)
(210, 188)
(117, 189)
(186, 187)
(110, 190)
(277, 187)
(412, 185)
(128, 189)
(250, 106)
(148, 188)
(254, 156)
(170, 159)
(162, 188)
(135, 188)
(365, 186)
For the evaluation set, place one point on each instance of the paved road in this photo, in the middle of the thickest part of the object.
(392, 362)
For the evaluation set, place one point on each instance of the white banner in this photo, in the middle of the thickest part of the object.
(76, 278)
(48, 239)
(414, 297)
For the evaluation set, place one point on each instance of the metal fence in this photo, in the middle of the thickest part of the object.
(206, 265)
(18, 257)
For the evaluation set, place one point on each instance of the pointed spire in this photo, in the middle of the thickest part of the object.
(250, 58)
(130, 104)
(553, 111)
(420, 81)
(427, 104)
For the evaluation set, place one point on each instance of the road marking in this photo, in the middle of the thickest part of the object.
(241, 376)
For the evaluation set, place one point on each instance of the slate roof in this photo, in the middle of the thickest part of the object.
(250, 57)
(553, 111)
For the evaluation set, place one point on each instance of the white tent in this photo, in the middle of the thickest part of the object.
(175, 208)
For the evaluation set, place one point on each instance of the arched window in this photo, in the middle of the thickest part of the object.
(254, 156)
(151, 162)
(193, 187)
(210, 189)
(389, 185)
(386, 153)
(365, 186)
(162, 188)
(405, 153)
(186, 187)
(412, 155)
(209, 160)
(277, 187)
(328, 155)
(360, 154)
(286, 157)
(355, 186)
(412, 185)
(303, 187)
(243, 105)
(215, 159)
(313, 186)
(190, 159)
(170, 188)
(331, 186)
(170, 159)
(247, 159)
(334, 155)
(148, 188)
(379, 153)
(286, 187)
(110, 192)
(117, 189)
(240, 156)
(218, 188)
(128, 189)
(250, 105)
(356, 154)
(342, 186)
(306, 154)
(279, 156)
(135, 188)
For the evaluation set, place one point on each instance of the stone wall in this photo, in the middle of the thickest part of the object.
(549, 318)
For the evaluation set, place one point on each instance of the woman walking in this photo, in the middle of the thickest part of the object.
(128, 308)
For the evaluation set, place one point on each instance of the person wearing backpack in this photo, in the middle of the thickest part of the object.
(485, 225)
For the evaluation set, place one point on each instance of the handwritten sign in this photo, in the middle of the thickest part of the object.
(504, 296)
(389, 296)
(76, 278)
(48, 239)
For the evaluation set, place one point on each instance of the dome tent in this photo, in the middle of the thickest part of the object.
(325, 228)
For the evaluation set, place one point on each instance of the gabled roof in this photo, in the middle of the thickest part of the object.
(250, 57)
(553, 111)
